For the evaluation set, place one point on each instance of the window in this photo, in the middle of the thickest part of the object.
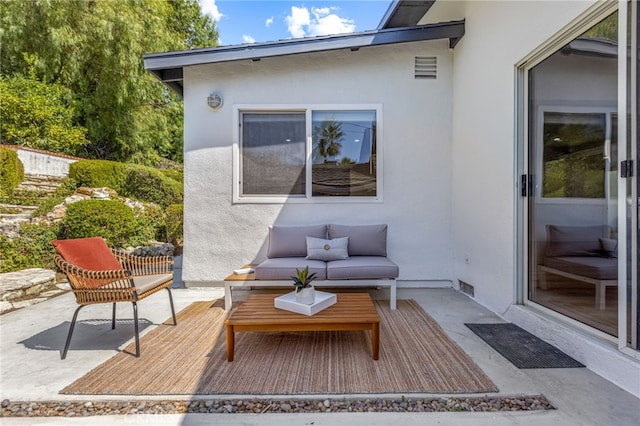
(577, 153)
(344, 153)
(307, 153)
(273, 153)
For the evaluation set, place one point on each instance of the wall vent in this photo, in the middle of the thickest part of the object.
(466, 288)
(426, 67)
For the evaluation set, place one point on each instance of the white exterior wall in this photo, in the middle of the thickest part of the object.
(416, 147)
(498, 35)
(38, 163)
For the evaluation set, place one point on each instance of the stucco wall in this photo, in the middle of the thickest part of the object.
(415, 144)
(485, 199)
(497, 36)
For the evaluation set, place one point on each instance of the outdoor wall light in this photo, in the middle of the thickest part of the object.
(214, 100)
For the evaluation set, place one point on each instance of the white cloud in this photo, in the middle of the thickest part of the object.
(268, 22)
(209, 7)
(321, 10)
(248, 39)
(320, 21)
(298, 19)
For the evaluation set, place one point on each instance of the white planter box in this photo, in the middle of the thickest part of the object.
(288, 303)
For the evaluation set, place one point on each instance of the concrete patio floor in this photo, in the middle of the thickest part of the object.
(32, 338)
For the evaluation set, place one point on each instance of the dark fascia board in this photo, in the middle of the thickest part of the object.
(405, 13)
(167, 67)
(589, 46)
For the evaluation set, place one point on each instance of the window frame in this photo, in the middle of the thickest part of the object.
(239, 198)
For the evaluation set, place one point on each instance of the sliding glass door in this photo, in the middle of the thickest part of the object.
(581, 175)
(572, 181)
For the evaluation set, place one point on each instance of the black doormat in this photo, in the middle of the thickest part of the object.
(522, 348)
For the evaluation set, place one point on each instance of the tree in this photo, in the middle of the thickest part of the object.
(38, 115)
(328, 134)
(95, 49)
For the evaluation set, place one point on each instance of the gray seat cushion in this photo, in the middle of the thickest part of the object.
(575, 240)
(600, 268)
(285, 267)
(362, 267)
(144, 283)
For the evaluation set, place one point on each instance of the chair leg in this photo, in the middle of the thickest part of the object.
(71, 327)
(173, 311)
(113, 317)
(137, 330)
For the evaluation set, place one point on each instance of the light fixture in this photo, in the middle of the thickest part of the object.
(214, 100)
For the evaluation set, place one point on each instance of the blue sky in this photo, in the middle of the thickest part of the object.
(249, 21)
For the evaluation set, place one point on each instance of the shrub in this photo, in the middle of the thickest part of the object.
(11, 171)
(32, 250)
(177, 175)
(151, 185)
(99, 173)
(174, 220)
(112, 220)
(150, 225)
(129, 180)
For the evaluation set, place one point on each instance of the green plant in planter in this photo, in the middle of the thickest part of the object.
(303, 279)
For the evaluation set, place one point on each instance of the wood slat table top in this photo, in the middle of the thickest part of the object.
(349, 308)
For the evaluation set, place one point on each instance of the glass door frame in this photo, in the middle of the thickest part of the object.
(628, 98)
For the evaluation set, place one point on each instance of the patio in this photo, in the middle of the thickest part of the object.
(32, 370)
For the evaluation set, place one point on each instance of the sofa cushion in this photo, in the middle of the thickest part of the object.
(285, 267)
(291, 241)
(364, 240)
(574, 240)
(321, 249)
(362, 267)
(91, 254)
(600, 268)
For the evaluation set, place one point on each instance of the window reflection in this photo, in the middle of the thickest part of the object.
(573, 227)
(344, 153)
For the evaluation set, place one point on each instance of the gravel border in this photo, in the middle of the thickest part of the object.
(255, 405)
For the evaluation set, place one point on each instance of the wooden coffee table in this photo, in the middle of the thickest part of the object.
(352, 311)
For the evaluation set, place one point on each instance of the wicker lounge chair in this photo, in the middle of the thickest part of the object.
(98, 274)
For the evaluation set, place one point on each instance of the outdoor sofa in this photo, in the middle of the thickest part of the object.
(583, 253)
(339, 255)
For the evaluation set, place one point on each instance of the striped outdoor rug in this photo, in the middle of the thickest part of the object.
(190, 359)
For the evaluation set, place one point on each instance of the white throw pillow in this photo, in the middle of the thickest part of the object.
(319, 249)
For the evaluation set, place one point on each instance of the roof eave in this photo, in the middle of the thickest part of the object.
(405, 13)
(167, 67)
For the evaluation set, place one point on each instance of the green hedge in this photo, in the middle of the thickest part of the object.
(111, 220)
(149, 225)
(151, 185)
(129, 180)
(99, 173)
(177, 175)
(11, 171)
(174, 219)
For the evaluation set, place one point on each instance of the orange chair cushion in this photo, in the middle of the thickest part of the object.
(91, 254)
